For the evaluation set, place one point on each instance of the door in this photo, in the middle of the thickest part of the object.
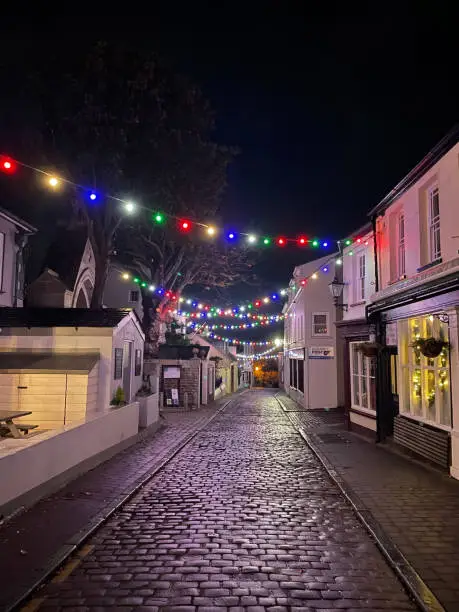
(387, 392)
(127, 371)
(44, 395)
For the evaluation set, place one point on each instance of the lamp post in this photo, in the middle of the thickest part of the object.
(336, 289)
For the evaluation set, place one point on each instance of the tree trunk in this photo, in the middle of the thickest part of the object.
(154, 324)
(101, 265)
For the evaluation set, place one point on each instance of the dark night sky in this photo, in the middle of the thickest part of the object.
(330, 109)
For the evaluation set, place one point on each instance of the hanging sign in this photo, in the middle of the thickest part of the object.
(321, 352)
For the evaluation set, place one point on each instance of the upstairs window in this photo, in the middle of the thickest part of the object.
(320, 324)
(434, 224)
(361, 278)
(133, 296)
(401, 245)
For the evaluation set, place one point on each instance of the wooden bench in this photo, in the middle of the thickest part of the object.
(24, 427)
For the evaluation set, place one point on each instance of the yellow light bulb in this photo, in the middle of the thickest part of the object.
(53, 181)
(211, 231)
(126, 276)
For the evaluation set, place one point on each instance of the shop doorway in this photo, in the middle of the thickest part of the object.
(388, 399)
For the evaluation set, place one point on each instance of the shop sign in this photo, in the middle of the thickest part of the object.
(321, 352)
(391, 334)
(296, 353)
(171, 372)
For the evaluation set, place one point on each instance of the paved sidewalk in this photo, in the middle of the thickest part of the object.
(416, 506)
(32, 542)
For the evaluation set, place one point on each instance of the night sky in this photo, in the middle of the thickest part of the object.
(330, 109)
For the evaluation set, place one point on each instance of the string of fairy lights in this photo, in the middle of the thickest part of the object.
(186, 306)
(10, 165)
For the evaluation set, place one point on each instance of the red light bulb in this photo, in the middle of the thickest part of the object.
(302, 240)
(257, 303)
(303, 282)
(185, 226)
(7, 165)
(281, 241)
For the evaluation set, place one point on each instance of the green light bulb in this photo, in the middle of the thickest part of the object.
(136, 280)
(315, 243)
(348, 242)
(159, 218)
(266, 241)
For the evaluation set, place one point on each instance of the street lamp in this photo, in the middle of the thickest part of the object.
(336, 289)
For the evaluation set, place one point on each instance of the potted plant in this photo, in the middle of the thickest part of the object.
(430, 347)
(370, 349)
(118, 399)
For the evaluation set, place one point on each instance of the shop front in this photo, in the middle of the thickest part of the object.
(359, 377)
(425, 373)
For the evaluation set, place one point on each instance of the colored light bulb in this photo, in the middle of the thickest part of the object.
(281, 241)
(251, 239)
(315, 243)
(159, 218)
(266, 241)
(302, 240)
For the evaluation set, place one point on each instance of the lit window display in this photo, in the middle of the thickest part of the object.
(424, 363)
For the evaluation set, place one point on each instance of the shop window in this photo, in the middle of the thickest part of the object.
(320, 324)
(297, 374)
(426, 393)
(363, 379)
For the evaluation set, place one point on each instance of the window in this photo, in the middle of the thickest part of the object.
(434, 224)
(118, 365)
(297, 374)
(138, 362)
(133, 296)
(425, 392)
(320, 324)
(401, 246)
(361, 280)
(2, 249)
(363, 379)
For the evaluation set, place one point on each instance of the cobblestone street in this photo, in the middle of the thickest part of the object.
(243, 518)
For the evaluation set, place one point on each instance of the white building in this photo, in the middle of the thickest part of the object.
(359, 370)
(310, 363)
(417, 298)
(14, 233)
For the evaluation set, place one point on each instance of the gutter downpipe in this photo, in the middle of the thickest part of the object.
(380, 396)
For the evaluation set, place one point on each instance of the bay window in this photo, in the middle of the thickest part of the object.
(425, 381)
(363, 379)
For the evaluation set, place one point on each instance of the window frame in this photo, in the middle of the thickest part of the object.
(130, 300)
(118, 362)
(362, 274)
(314, 334)
(401, 250)
(434, 235)
(2, 258)
(415, 371)
(363, 374)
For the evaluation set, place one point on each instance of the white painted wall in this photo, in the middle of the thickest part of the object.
(28, 463)
(7, 289)
(350, 259)
(117, 291)
(413, 203)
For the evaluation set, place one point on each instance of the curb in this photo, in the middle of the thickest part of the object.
(80, 537)
(422, 595)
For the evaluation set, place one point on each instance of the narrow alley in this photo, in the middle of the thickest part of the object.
(243, 518)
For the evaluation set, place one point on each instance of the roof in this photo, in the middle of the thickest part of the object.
(179, 351)
(62, 317)
(17, 221)
(439, 150)
(64, 255)
(54, 363)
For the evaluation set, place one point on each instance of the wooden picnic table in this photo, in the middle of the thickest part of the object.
(7, 416)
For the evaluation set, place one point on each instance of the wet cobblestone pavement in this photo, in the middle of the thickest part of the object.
(244, 518)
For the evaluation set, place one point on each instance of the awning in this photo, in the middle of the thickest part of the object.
(47, 363)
